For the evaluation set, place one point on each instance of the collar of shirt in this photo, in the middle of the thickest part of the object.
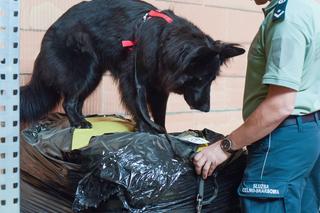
(270, 7)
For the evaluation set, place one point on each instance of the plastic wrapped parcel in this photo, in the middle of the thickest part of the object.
(120, 172)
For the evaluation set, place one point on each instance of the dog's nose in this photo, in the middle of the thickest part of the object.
(203, 108)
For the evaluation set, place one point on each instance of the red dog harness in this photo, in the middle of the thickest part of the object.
(152, 13)
(128, 43)
(157, 13)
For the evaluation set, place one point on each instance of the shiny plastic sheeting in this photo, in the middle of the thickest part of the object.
(122, 172)
(48, 175)
(149, 174)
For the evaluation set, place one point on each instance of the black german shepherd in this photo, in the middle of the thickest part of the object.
(168, 54)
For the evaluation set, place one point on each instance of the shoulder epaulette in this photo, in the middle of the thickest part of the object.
(280, 11)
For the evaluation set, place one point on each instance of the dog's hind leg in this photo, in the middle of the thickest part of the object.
(84, 76)
(157, 101)
(70, 106)
(80, 106)
(74, 97)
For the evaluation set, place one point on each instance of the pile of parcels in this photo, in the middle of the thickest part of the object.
(111, 168)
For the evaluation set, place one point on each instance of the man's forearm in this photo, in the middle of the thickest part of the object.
(270, 113)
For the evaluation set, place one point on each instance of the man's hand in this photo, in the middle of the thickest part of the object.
(208, 159)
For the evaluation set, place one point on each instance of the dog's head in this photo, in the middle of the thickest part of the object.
(202, 67)
(196, 65)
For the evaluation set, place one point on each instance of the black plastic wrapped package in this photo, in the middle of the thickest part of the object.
(121, 172)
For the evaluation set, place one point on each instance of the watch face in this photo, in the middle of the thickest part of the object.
(226, 144)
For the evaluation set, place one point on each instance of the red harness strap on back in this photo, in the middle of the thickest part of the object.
(128, 43)
(150, 14)
(155, 13)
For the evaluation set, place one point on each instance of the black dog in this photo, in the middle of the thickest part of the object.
(149, 53)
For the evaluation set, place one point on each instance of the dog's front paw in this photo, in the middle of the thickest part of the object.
(146, 128)
(84, 124)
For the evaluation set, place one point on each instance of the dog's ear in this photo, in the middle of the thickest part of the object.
(227, 51)
(199, 55)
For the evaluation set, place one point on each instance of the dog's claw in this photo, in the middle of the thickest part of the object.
(83, 125)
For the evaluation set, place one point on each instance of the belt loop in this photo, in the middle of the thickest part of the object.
(316, 117)
(299, 123)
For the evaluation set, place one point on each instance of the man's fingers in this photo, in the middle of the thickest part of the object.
(208, 159)
(198, 169)
(212, 168)
(205, 169)
(198, 156)
(199, 164)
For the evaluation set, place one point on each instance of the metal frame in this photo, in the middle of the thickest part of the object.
(9, 106)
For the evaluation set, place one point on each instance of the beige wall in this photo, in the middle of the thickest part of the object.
(227, 20)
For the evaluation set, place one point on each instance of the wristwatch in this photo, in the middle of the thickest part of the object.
(226, 145)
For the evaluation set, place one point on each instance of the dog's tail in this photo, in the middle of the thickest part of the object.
(36, 100)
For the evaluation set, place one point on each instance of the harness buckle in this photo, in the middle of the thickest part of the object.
(199, 203)
(145, 17)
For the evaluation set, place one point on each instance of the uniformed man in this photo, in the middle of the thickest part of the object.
(281, 112)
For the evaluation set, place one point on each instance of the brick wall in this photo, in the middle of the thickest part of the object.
(228, 20)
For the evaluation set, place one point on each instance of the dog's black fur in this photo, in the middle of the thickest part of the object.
(86, 41)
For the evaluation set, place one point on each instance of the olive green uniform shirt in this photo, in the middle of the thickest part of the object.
(286, 53)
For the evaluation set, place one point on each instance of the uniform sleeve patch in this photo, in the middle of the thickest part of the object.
(262, 189)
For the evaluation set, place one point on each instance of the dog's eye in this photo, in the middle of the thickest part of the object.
(199, 78)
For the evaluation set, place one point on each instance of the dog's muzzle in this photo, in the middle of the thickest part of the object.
(202, 104)
(204, 108)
